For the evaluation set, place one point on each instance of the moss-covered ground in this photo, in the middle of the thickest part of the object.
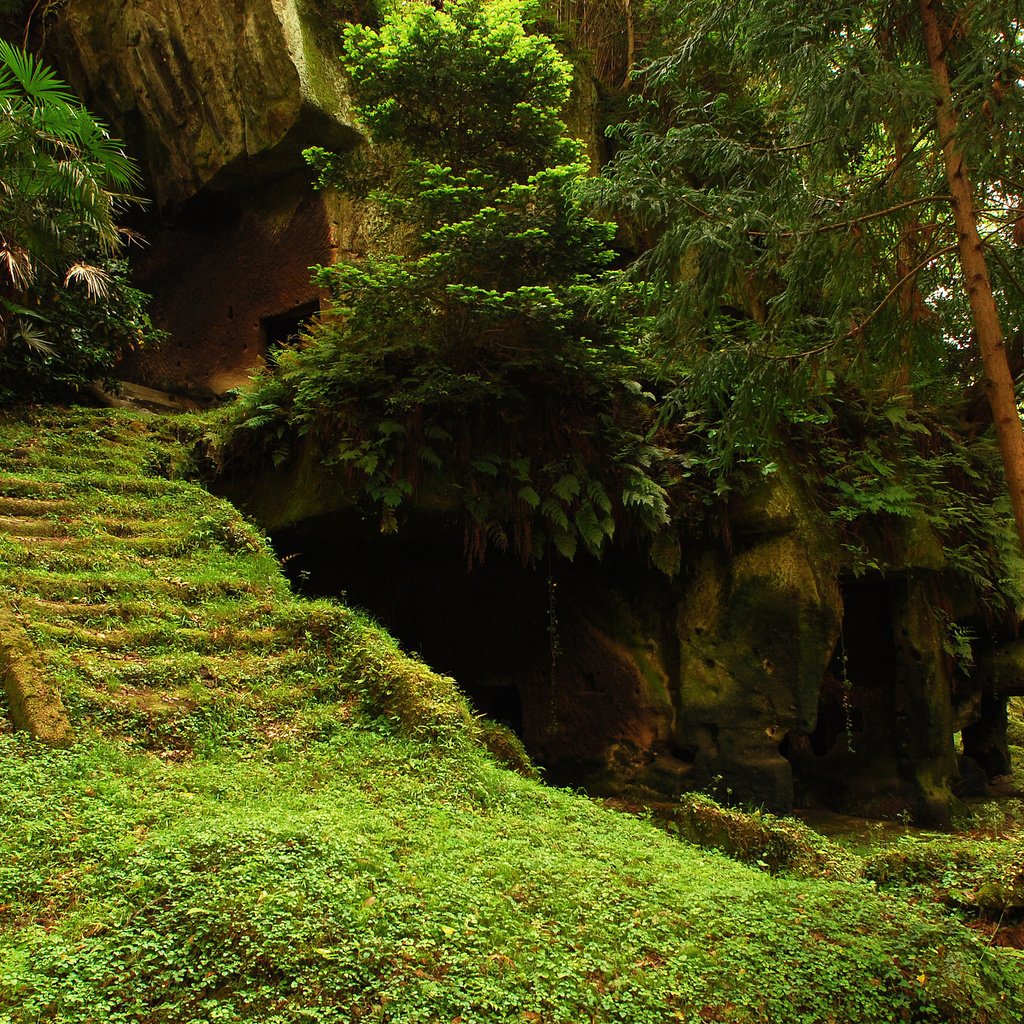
(270, 814)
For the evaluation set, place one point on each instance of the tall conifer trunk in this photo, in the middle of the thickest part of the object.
(991, 342)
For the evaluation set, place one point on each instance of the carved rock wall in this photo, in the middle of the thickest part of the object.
(217, 99)
(767, 673)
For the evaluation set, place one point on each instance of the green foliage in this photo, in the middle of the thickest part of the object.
(467, 87)
(66, 309)
(780, 168)
(335, 11)
(67, 341)
(899, 474)
(482, 365)
(782, 163)
(373, 878)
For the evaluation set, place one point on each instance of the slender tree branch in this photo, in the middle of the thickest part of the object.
(807, 353)
(839, 225)
(908, 276)
(1014, 280)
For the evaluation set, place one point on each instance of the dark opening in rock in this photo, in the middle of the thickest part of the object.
(852, 741)
(285, 328)
(487, 628)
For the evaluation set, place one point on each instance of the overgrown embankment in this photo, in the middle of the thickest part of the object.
(160, 616)
(269, 814)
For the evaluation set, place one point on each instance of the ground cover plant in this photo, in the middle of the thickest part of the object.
(324, 839)
(380, 879)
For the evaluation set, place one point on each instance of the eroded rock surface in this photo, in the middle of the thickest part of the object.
(217, 99)
(207, 94)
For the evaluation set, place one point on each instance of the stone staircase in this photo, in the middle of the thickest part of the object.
(140, 606)
(136, 605)
(130, 601)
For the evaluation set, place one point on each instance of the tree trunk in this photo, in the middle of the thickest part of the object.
(999, 382)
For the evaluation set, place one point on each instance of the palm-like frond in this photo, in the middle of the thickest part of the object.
(16, 264)
(33, 337)
(95, 279)
(62, 181)
(21, 75)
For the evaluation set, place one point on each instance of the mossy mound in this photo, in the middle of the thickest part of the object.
(159, 616)
(270, 814)
(978, 874)
(770, 842)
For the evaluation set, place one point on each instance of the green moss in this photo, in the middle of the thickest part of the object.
(274, 815)
(1015, 722)
(507, 748)
(380, 879)
(33, 703)
(773, 843)
(161, 614)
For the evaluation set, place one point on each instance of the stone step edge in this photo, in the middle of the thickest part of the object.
(35, 704)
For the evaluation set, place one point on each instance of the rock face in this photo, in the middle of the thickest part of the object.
(208, 95)
(217, 99)
(767, 673)
(757, 627)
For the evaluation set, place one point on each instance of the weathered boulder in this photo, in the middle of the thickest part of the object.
(217, 99)
(207, 94)
(757, 627)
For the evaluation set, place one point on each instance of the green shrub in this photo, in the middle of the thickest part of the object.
(481, 365)
(764, 840)
(66, 309)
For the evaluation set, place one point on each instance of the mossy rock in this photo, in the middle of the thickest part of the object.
(775, 844)
(1015, 722)
(507, 748)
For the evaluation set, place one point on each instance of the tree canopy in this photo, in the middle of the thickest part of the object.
(786, 165)
(478, 357)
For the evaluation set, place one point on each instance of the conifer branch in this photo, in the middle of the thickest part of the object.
(905, 279)
(823, 229)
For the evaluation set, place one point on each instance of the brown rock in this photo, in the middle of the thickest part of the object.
(217, 99)
(207, 93)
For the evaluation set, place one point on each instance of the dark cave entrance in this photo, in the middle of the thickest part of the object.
(488, 628)
(852, 742)
(285, 328)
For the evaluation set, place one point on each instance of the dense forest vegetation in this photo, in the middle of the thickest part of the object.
(778, 252)
(797, 297)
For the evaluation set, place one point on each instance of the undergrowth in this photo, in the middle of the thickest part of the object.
(273, 815)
